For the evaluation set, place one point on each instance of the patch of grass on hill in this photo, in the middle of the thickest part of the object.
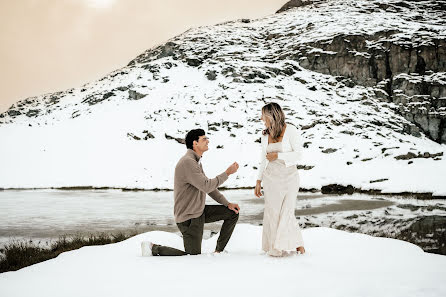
(18, 254)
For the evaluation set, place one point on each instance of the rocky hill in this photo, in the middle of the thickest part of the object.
(398, 47)
(363, 80)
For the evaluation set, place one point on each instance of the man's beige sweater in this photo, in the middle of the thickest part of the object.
(191, 185)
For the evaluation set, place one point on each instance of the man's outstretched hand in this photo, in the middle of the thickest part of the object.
(232, 169)
(234, 207)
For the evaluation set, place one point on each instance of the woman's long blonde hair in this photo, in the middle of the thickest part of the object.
(276, 117)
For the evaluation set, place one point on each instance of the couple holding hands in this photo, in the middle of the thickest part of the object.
(281, 149)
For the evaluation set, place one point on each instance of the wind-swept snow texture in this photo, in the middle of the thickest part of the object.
(337, 263)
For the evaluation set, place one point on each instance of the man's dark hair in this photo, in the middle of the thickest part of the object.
(193, 135)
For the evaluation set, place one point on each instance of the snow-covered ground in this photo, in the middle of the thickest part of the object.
(337, 263)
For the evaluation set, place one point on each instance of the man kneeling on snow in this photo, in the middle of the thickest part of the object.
(191, 213)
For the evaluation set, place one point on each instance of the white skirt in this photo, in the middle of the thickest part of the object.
(281, 231)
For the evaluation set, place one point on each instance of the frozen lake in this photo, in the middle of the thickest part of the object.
(47, 214)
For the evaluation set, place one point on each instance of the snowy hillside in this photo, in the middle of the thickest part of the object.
(125, 130)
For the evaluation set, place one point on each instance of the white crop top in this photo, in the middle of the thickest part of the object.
(291, 149)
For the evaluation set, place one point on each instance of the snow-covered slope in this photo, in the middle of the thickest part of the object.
(126, 129)
(337, 263)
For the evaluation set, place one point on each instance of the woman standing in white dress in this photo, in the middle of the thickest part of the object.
(281, 149)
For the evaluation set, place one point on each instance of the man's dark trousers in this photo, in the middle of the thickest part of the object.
(192, 231)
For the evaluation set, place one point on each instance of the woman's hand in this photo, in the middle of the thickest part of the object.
(271, 156)
(258, 188)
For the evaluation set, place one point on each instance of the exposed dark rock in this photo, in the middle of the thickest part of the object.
(378, 180)
(93, 99)
(75, 114)
(32, 113)
(401, 67)
(355, 216)
(211, 74)
(337, 189)
(411, 155)
(347, 132)
(108, 95)
(13, 112)
(384, 149)
(169, 65)
(179, 140)
(409, 206)
(288, 71)
(131, 135)
(166, 50)
(383, 61)
(273, 36)
(305, 127)
(215, 124)
(305, 167)
(53, 99)
(302, 81)
(194, 62)
(133, 95)
(312, 88)
(428, 232)
(153, 68)
(123, 88)
(329, 150)
(148, 135)
(293, 4)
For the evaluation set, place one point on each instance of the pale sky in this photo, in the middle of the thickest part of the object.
(53, 45)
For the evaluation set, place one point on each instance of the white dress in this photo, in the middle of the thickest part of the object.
(281, 230)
